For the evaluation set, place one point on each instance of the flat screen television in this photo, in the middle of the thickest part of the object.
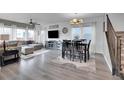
(53, 34)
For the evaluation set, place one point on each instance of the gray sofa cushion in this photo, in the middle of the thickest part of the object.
(36, 46)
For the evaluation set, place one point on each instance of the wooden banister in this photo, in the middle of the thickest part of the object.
(115, 41)
(114, 44)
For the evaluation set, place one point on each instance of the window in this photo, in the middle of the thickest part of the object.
(76, 33)
(30, 34)
(16, 33)
(21, 34)
(87, 33)
(6, 30)
(1, 28)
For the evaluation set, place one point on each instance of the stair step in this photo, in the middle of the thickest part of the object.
(122, 47)
(122, 41)
(122, 54)
(122, 68)
(122, 50)
(122, 62)
(122, 72)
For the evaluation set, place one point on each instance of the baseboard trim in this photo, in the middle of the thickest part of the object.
(107, 62)
(110, 68)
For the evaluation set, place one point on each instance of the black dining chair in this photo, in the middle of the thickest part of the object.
(83, 39)
(81, 50)
(77, 48)
(87, 51)
(67, 48)
(88, 48)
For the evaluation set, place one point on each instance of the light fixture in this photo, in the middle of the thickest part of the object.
(76, 21)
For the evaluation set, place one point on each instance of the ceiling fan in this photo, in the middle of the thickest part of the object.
(33, 23)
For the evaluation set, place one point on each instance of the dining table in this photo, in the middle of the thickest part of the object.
(83, 43)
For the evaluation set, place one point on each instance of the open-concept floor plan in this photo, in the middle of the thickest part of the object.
(61, 46)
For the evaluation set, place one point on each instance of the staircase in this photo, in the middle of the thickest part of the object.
(122, 56)
(121, 37)
(115, 41)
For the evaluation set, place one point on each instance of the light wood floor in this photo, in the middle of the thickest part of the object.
(40, 68)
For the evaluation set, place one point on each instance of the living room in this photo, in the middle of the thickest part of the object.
(34, 40)
(61, 46)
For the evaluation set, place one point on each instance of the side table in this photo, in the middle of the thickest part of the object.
(9, 53)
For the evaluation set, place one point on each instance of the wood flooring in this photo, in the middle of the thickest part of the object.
(41, 68)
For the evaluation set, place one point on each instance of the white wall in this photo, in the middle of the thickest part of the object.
(117, 20)
(106, 53)
(61, 35)
(99, 37)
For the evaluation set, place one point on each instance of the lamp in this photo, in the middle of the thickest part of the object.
(4, 37)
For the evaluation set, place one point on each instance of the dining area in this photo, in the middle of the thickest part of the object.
(76, 50)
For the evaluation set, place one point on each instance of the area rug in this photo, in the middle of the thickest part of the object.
(88, 66)
(36, 53)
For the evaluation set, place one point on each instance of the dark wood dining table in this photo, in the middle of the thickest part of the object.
(85, 44)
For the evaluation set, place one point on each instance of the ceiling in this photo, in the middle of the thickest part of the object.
(46, 18)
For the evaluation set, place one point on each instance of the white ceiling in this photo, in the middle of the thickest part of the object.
(46, 18)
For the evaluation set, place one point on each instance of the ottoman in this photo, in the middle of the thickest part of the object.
(27, 50)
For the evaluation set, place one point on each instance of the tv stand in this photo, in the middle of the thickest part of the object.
(52, 45)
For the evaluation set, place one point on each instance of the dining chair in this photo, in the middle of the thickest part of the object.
(67, 48)
(87, 51)
(77, 48)
(81, 50)
(88, 48)
(83, 39)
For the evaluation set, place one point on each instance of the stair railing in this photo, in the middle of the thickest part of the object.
(114, 44)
